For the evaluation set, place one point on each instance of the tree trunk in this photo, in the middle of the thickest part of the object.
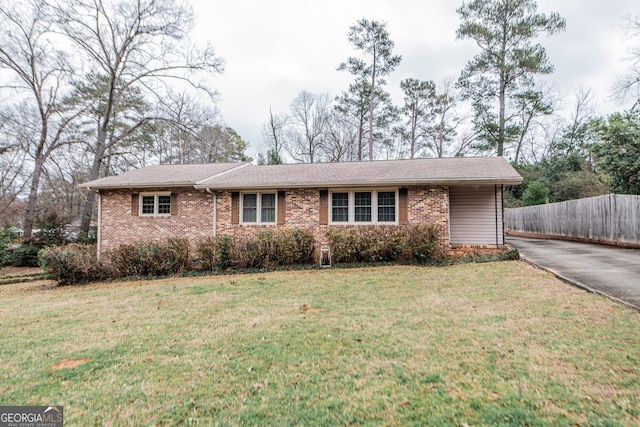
(371, 97)
(414, 125)
(32, 201)
(501, 118)
(360, 138)
(94, 173)
(87, 211)
(521, 139)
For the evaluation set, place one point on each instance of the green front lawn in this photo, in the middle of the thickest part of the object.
(466, 345)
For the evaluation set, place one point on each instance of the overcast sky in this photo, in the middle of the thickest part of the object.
(276, 48)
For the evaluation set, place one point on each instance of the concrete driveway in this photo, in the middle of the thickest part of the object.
(611, 271)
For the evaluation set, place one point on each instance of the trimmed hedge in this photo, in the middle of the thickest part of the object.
(149, 258)
(386, 243)
(77, 263)
(268, 248)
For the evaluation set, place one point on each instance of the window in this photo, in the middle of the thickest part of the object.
(263, 204)
(164, 204)
(155, 204)
(268, 208)
(386, 206)
(363, 206)
(369, 207)
(249, 207)
(340, 207)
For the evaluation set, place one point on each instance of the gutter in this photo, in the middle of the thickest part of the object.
(128, 186)
(351, 184)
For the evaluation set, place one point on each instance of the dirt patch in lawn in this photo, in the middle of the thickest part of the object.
(307, 309)
(69, 363)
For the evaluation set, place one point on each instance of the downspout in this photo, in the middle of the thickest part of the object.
(502, 209)
(215, 211)
(99, 226)
(448, 195)
(495, 202)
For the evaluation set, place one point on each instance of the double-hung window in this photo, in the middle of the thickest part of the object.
(364, 207)
(152, 204)
(259, 208)
(340, 207)
(386, 206)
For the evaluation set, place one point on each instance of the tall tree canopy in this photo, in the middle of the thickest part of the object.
(418, 114)
(619, 152)
(373, 39)
(509, 58)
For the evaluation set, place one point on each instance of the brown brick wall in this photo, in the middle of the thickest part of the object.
(430, 205)
(302, 206)
(426, 204)
(194, 219)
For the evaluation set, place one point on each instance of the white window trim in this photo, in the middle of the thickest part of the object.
(374, 206)
(155, 203)
(258, 220)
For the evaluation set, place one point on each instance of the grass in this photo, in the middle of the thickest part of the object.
(10, 275)
(465, 345)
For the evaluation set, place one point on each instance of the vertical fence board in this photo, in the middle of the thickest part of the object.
(610, 218)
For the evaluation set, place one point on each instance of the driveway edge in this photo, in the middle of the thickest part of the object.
(577, 284)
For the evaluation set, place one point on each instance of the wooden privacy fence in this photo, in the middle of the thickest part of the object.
(612, 219)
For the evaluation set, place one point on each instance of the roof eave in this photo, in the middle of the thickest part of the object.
(135, 186)
(338, 184)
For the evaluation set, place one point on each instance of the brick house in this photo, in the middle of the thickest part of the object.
(463, 195)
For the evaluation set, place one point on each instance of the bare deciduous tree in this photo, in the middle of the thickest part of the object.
(341, 139)
(447, 118)
(308, 118)
(629, 84)
(273, 134)
(133, 45)
(12, 175)
(38, 70)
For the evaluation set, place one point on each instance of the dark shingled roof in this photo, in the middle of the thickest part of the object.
(243, 176)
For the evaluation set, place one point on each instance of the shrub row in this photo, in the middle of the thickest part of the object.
(421, 242)
(268, 248)
(77, 263)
